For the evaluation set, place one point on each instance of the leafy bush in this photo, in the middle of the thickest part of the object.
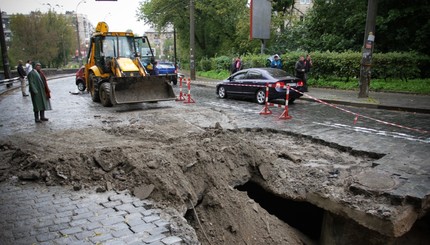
(346, 65)
(221, 63)
(205, 64)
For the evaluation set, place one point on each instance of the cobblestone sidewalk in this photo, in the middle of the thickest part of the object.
(35, 214)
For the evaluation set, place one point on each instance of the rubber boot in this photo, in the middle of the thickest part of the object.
(36, 117)
(42, 116)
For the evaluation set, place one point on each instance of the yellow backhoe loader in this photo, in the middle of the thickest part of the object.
(115, 73)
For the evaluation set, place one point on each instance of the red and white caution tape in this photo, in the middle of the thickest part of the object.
(357, 115)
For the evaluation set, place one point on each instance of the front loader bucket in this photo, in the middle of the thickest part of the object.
(126, 90)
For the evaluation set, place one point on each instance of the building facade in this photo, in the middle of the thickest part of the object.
(84, 30)
(162, 43)
(301, 8)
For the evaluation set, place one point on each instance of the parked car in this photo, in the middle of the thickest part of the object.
(169, 69)
(252, 83)
(80, 79)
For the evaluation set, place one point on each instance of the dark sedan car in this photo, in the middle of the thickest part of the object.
(252, 83)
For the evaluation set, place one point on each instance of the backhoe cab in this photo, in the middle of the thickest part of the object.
(114, 73)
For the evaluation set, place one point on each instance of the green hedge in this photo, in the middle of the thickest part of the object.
(344, 65)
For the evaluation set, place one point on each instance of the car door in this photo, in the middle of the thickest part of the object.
(234, 85)
(252, 82)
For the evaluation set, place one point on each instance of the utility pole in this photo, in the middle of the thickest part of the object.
(175, 59)
(5, 58)
(192, 43)
(367, 51)
(77, 31)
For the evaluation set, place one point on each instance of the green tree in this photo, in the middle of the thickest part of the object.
(335, 25)
(338, 25)
(217, 24)
(45, 38)
(282, 13)
(403, 26)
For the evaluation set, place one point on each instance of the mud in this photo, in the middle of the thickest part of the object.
(196, 171)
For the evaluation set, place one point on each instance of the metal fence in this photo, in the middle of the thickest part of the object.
(12, 83)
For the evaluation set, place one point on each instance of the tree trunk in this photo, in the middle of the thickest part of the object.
(5, 57)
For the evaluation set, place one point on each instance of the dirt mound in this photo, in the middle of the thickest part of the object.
(194, 171)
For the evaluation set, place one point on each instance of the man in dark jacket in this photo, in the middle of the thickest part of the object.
(39, 97)
(300, 69)
(22, 75)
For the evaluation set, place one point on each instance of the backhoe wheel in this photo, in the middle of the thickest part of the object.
(94, 95)
(104, 93)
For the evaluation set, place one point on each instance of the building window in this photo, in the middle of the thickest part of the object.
(305, 1)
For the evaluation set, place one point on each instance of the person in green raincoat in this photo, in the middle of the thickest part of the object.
(39, 92)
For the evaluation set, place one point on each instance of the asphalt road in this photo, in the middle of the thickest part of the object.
(77, 110)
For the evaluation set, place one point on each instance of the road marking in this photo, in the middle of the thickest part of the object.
(375, 131)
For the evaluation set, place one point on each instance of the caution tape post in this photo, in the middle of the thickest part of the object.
(284, 114)
(189, 100)
(181, 96)
(266, 110)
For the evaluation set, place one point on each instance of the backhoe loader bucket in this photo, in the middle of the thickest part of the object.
(127, 90)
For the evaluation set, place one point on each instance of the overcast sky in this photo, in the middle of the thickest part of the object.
(120, 15)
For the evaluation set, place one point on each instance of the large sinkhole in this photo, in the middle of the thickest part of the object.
(305, 217)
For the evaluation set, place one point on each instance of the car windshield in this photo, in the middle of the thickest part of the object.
(276, 73)
(164, 64)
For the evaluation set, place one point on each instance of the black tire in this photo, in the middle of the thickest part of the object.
(104, 94)
(260, 96)
(81, 86)
(175, 80)
(291, 101)
(222, 93)
(94, 94)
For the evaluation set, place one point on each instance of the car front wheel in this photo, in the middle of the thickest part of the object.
(260, 97)
(222, 93)
(81, 86)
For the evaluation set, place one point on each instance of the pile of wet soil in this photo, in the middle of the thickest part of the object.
(194, 171)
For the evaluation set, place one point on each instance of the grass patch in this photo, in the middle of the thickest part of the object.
(416, 86)
(219, 75)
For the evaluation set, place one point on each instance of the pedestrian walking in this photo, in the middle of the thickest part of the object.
(28, 67)
(300, 69)
(236, 65)
(276, 62)
(22, 74)
(40, 93)
(308, 65)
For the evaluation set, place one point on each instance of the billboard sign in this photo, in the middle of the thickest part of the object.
(260, 18)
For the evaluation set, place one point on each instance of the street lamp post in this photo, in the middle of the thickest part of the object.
(77, 30)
